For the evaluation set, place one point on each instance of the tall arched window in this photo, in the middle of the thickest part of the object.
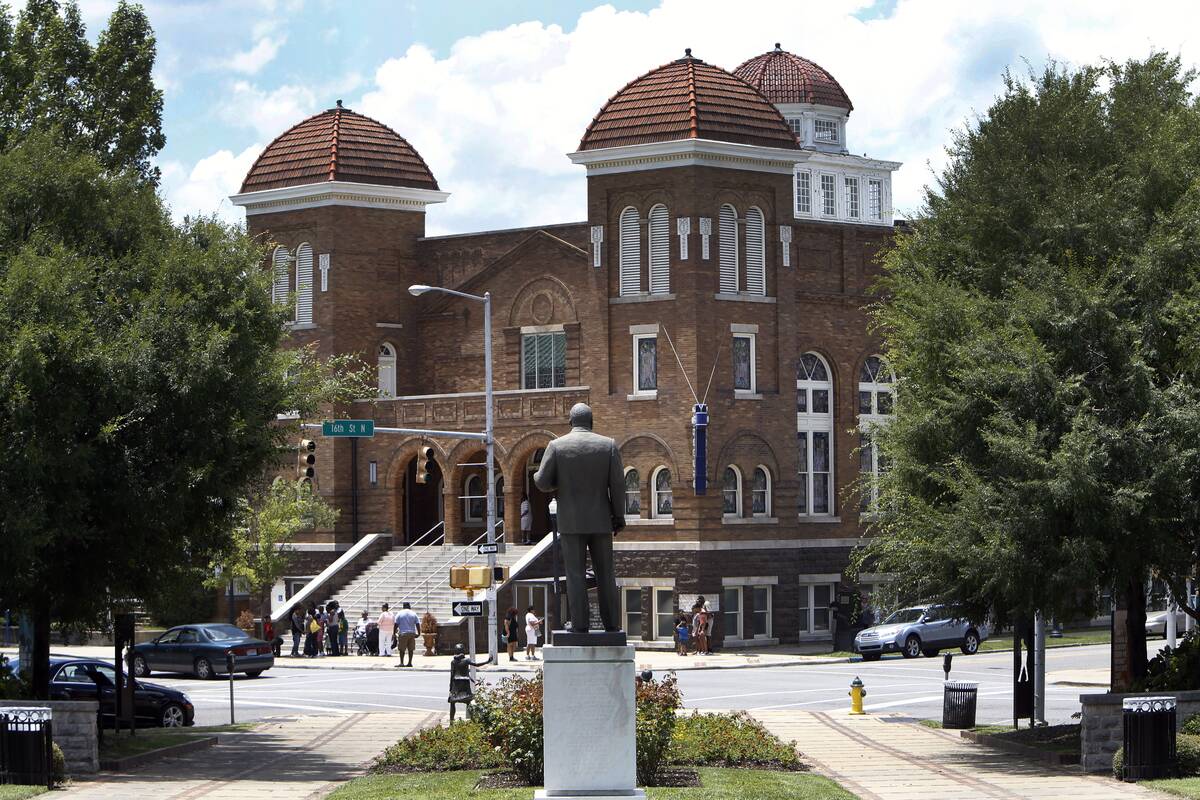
(304, 283)
(728, 249)
(633, 493)
(660, 250)
(760, 492)
(814, 435)
(387, 370)
(875, 386)
(756, 252)
(279, 275)
(631, 252)
(660, 485)
(731, 492)
(474, 500)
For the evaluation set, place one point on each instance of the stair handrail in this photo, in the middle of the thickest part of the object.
(436, 570)
(348, 599)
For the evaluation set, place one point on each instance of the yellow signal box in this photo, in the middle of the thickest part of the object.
(468, 577)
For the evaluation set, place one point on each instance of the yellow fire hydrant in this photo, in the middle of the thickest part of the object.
(857, 693)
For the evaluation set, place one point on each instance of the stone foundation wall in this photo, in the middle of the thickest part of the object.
(1102, 730)
(75, 730)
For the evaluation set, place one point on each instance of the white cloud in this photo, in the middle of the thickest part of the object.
(251, 61)
(205, 188)
(495, 116)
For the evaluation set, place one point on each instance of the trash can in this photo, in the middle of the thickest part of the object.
(958, 704)
(26, 751)
(1149, 737)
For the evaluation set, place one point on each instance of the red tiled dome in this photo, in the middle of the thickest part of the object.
(339, 145)
(687, 99)
(784, 77)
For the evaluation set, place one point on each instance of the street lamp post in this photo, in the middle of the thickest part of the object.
(489, 440)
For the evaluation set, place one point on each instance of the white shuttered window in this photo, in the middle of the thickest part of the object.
(729, 249)
(279, 275)
(660, 250)
(304, 283)
(631, 252)
(756, 252)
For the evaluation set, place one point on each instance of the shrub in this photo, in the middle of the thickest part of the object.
(245, 621)
(1174, 669)
(1187, 754)
(657, 702)
(438, 749)
(429, 623)
(729, 740)
(510, 713)
(58, 765)
(1192, 726)
(12, 686)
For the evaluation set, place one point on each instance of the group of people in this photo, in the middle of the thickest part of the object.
(323, 629)
(693, 632)
(511, 632)
(397, 630)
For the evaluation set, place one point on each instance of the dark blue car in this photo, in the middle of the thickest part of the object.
(92, 679)
(203, 651)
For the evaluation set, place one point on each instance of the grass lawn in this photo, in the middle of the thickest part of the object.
(20, 792)
(1068, 639)
(1183, 787)
(718, 784)
(148, 739)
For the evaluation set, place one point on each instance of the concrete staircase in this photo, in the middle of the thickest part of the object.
(419, 575)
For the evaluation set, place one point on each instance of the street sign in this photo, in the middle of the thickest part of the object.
(466, 608)
(487, 549)
(356, 428)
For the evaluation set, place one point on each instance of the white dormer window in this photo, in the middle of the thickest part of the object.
(825, 131)
(852, 206)
(797, 125)
(874, 199)
(828, 196)
(803, 192)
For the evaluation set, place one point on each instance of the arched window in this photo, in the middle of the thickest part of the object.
(631, 252)
(387, 370)
(731, 492)
(814, 435)
(474, 500)
(279, 275)
(760, 492)
(875, 386)
(633, 493)
(728, 249)
(664, 506)
(304, 283)
(756, 252)
(660, 250)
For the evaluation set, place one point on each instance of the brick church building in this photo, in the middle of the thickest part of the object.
(729, 249)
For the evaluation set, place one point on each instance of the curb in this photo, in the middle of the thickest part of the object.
(1033, 753)
(138, 759)
(689, 668)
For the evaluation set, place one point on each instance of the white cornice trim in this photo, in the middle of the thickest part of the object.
(845, 160)
(689, 153)
(338, 193)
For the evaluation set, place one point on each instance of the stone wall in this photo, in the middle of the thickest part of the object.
(1101, 729)
(75, 730)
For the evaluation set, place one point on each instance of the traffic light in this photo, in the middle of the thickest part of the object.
(307, 466)
(425, 464)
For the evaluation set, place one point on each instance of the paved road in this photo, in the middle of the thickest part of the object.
(909, 687)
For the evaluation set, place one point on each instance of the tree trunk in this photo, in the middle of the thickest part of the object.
(40, 658)
(1135, 629)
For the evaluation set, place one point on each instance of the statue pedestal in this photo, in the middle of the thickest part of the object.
(589, 720)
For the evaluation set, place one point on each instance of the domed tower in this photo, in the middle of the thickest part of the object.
(342, 198)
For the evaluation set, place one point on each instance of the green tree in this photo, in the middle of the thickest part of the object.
(260, 552)
(1042, 317)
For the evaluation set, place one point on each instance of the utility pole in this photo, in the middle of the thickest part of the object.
(489, 432)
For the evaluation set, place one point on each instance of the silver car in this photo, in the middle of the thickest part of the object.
(919, 630)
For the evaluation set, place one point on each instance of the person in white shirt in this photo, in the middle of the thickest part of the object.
(526, 521)
(532, 624)
(387, 626)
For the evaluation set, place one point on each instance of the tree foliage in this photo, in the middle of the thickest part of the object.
(1042, 315)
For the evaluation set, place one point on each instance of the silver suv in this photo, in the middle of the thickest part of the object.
(917, 630)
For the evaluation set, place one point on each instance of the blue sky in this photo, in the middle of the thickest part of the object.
(494, 94)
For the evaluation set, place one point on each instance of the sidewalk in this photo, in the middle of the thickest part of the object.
(286, 759)
(883, 757)
(657, 660)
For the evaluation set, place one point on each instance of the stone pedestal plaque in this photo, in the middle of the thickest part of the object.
(589, 720)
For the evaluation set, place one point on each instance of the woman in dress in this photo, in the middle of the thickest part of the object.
(532, 625)
(512, 630)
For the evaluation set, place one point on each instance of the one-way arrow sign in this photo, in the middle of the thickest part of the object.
(466, 608)
(485, 548)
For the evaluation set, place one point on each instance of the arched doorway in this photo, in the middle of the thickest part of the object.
(422, 503)
(539, 501)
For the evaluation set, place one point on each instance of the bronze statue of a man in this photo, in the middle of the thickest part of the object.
(585, 469)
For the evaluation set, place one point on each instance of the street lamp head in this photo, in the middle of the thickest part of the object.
(418, 289)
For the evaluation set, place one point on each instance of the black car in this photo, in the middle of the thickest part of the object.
(91, 679)
(203, 650)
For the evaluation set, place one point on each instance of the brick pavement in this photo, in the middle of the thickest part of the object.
(286, 759)
(881, 758)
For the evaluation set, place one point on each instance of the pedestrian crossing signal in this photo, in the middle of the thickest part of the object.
(425, 465)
